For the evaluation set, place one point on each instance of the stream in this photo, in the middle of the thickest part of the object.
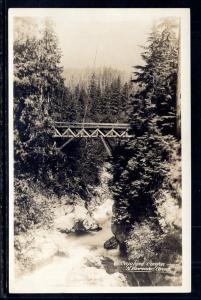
(82, 265)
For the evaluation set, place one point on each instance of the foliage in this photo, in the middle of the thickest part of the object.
(168, 197)
(139, 167)
(158, 77)
(37, 85)
(40, 98)
(146, 169)
(147, 245)
(149, 241)
(29, 210)
(97, 100)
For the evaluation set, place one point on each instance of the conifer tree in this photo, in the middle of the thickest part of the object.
(94, 98)
(140, 164)
(158, 77)
(106, 103)
(115, 98)
(125, 103)
(38, 84)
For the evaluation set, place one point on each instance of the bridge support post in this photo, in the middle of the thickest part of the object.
(66, 143)
(106, 145)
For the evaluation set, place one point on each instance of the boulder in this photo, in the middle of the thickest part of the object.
(94, 261)
(77, 220)
(101, 262)
(112, 243)
(85, 226)
(108, 265)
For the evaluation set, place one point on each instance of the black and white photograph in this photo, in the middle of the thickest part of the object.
(99, 150)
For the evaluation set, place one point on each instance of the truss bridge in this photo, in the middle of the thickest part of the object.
(104, 131)
(91, 130)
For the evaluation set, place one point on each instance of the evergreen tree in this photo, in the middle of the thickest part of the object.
(50, 70)
(82, 102)
(137, 168)
(115, 98)
(125, 103)
(92, 91)
(140, 164)
(38, 85)
(66, 109)
(158, 77)
(105, 104)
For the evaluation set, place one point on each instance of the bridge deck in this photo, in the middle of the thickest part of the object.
(92, 125)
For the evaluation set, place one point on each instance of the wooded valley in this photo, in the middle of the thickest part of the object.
(144, 171)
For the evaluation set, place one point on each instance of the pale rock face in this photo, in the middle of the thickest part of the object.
(78, 219)
(103, 211)
(38, 246)
(96, 277)
(94, 273)
(91, 261)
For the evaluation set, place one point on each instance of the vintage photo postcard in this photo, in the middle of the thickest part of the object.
(99, 151)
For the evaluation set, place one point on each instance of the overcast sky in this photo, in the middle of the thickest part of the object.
(101, 37)
(90, 40)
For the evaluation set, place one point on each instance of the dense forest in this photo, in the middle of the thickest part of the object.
(145, 170)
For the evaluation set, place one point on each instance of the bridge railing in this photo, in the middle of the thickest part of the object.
(91, 130)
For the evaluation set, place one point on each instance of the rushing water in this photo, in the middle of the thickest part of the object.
(81, 267)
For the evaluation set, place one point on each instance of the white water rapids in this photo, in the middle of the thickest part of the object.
(81, 266)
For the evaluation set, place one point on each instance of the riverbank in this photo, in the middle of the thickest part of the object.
(73, 260)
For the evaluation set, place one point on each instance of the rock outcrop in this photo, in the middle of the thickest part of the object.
(120, 230)
(78, 220)
(85, 225)
(112, 243)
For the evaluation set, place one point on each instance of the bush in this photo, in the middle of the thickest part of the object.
(146, 243)
(30, 209)
(141, 242)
